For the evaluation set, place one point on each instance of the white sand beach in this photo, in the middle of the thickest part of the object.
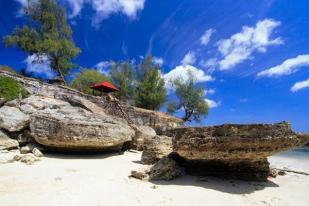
(103, 180)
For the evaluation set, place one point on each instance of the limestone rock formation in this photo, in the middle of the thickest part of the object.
(74, 128)
(233, 151)
(7, 143)
(12, 119)
(165, 169)
(155, 148)
(141, 134)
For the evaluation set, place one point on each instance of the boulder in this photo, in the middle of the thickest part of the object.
(155, 148)
(12, 119)
(28, 148)
(73, 128)
(165, 169)
(231, 150)
(7, 143)
(142, 133)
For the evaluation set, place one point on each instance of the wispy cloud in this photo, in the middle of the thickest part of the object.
(206, 36)
(240, 46)
(289, 66)
(300, 85)
(103, 67)
(189, 58)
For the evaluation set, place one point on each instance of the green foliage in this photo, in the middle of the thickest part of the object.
(47, 33)
(11, 89)
(123, 76)
(189, 98)
(7, 68)
(86, 78)
(150, 91)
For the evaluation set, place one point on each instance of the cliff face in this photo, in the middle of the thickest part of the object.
(157, 120)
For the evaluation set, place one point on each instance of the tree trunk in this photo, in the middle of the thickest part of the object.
(61, 75)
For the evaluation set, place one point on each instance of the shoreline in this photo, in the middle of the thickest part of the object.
(103, 180)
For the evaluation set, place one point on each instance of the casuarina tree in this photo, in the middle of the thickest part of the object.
(189, 98)
(46, 34)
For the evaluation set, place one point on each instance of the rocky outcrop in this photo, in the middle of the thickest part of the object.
(141, 134)
(74, 128)
(155, 148)
(157, 120)
(7, 143)
(12, 119)
(233, 151)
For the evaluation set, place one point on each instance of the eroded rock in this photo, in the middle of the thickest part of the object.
(73, 128)
(28, 159)
(155, 148)
(232, 151)
(12, 119)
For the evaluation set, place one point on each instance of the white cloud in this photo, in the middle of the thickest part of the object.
(206, 36)
(24, 4)
(158, 60)
(103, 8)
(183, 72)
(300, 85)
(240, 46)
(39, 65)
(189, 58)
(209, 91)
(289, 66)
(103, 67)
(212, 103)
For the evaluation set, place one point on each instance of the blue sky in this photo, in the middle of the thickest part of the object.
(252, 57)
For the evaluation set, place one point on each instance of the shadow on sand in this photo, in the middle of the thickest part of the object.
(222, 185)
(79, 155)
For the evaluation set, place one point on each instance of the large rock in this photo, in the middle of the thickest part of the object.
(165, 169)
(73, 128)
(12, 119)
(155, 148)
(6, 142)
(234, 151)
(141, 134)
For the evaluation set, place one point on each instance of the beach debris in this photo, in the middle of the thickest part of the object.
(28, 159)
(141, 173)
(165, 169)
(283, 171)
(37, 152)
(155, 148)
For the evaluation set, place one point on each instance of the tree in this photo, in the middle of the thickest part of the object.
(123, 76)
(150, 91)
(47, 34)
(190, 99)
(86, 78)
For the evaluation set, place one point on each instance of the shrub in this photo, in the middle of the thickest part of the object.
(10, 89)
(7, 68)
(86, 78)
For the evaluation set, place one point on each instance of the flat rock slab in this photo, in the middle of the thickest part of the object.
(12, 119)
(73, 128)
